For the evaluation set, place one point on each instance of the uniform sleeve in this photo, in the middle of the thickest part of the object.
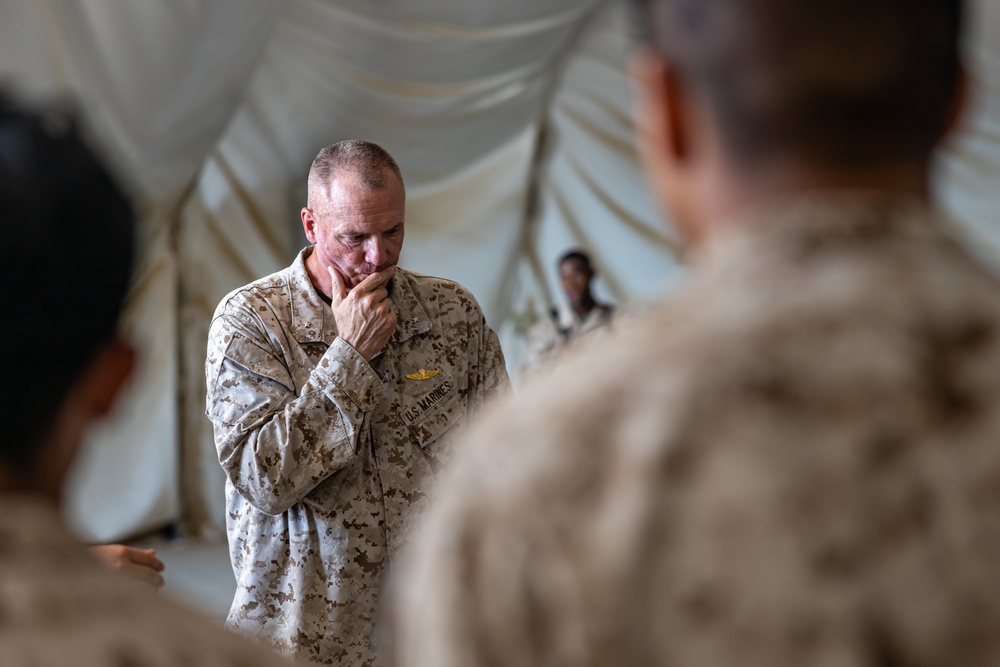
(491, 380)
(274, 444)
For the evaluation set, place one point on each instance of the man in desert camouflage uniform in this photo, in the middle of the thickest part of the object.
(795, 462)
(66, 248)
(336, 388)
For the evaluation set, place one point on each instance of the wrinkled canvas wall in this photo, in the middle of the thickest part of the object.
(157, 83)
(969, 165)
(456, 91)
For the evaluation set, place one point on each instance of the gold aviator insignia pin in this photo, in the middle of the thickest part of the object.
(422, 374)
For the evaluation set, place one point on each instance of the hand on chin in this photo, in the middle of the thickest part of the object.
(361, 277)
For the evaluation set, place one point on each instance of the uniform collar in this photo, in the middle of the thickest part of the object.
(802, 225)
(31, 522)
(411, 318)
(568, 318)
(312, 320)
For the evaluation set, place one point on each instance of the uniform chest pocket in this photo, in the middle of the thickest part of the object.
(432, 411)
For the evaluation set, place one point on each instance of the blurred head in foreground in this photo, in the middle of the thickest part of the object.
(794, 461)
(742, 101)
(66, 252)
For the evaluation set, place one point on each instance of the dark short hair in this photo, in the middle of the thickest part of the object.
(66, 253)
(577, 255)
(837, 82)
(367, 160)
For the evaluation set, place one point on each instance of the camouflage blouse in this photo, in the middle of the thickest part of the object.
(795, 461)
(329, 458)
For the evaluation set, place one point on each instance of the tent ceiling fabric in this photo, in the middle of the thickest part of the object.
(969, 165)
(457, 96)
(512, 124)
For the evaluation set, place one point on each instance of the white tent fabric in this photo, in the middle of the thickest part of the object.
(969, 165)
(461, 105)
(511, 122)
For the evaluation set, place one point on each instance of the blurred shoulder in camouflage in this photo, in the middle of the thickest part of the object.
(66, 254)
(794, 461)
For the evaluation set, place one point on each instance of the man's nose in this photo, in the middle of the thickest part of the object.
(375, 252)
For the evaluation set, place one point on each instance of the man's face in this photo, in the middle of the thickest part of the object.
(575, 277)
(360, 230)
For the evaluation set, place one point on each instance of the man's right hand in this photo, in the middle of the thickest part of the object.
(364, 315)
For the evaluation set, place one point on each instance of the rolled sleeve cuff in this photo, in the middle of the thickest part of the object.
(349, 371)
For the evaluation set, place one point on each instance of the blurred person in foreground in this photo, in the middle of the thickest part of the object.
(580, 315)
(795, 461)
(66, 251)
(337, 388)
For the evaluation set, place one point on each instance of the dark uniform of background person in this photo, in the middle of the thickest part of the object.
(66, 252)
(794, 461)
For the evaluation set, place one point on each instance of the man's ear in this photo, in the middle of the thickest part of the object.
(661, 106)
(107, 375)
(672, 142)
(308, 224)
(93, 396)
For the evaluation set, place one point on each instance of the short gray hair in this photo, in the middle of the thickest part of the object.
(366, 160)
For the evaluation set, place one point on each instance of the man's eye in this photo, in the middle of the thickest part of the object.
(393, 231)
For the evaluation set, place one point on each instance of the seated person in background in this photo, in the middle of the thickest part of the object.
(66, 249)
(580, 315)
(796, 461)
